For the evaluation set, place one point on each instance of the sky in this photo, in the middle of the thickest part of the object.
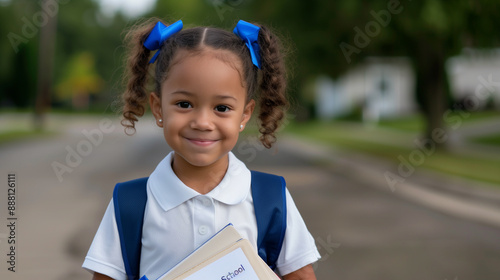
(129, 7)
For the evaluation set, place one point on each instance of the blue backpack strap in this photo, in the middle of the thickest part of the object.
(269, 200)
(129, 199)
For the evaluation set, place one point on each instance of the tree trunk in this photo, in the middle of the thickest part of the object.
(45, 67)
(432, 92)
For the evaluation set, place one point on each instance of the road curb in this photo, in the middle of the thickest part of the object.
(461, 198)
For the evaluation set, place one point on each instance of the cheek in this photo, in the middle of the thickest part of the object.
(172, 123)
(231, 128)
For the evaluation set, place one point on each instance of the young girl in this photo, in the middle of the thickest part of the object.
(207, 81)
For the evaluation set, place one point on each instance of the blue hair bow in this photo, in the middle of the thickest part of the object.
(159, 34)
(250, 34)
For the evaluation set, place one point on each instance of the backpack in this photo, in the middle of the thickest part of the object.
(129, 199)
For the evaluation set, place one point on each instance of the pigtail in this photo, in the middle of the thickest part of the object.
(273, 102)
(135, 96)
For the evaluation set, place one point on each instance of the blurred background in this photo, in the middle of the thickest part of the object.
(391, 147)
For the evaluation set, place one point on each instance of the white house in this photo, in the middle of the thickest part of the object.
(475, 76)
(383, 87)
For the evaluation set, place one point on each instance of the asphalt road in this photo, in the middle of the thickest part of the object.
(366, 232)
(362, 232)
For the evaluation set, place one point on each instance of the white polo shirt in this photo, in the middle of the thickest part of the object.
(178, 219)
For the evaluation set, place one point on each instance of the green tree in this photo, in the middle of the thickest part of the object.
(81, 27)
(432, 31)
(327, 38)
(84, 28)
(79, 80)
(19, 52)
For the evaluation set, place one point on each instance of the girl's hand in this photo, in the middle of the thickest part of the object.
(98, 276)
(305, 273)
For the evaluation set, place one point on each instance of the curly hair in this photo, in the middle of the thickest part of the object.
(267, 85)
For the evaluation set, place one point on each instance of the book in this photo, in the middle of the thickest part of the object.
(225, 256)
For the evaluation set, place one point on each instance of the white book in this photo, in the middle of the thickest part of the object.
(225, 256)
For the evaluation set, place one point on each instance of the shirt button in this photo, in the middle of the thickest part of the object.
(205, 201)
(202, 230)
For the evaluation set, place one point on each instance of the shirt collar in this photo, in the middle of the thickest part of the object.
(169, 191)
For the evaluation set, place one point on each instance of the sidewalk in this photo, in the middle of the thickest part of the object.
(464, 135)
(459, 197)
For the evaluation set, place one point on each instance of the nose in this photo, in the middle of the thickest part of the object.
(202, 120)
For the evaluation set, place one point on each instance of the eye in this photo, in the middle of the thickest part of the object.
(222, 108)
(184, 104)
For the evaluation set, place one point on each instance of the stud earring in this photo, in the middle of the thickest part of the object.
(160, 120)
(241, 126)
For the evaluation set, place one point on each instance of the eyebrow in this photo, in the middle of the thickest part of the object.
(219, 96)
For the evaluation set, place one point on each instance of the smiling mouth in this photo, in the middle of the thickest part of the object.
(201, 142)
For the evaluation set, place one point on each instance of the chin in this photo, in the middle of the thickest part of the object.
(202, 160)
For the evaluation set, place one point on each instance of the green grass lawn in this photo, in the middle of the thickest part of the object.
(16, 135)
(493, 140)
(369, 141)
(416, 123)
(410, 123)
